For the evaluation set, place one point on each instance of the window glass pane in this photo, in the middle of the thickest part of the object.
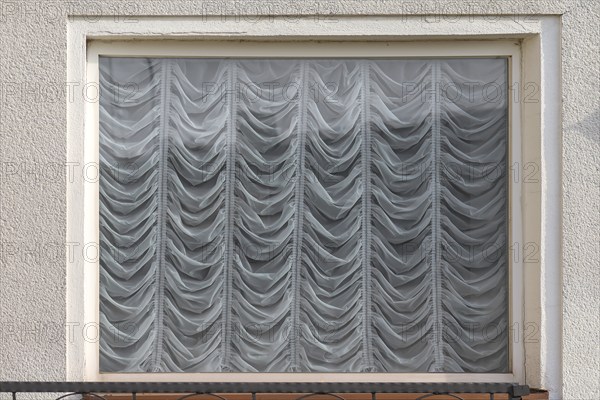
(310, 215)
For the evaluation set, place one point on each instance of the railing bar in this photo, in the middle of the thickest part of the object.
(262, 387)
(514, 390)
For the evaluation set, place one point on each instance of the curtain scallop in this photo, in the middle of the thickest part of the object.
(310, 215)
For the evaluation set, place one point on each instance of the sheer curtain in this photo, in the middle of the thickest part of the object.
(312, 215)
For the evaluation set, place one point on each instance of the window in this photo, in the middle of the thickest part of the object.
(304, 215)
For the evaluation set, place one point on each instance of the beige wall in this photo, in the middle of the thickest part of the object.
(34, 329)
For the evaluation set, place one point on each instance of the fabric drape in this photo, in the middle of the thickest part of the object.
(309, 215)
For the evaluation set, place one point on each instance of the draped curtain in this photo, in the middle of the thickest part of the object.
(308, 215)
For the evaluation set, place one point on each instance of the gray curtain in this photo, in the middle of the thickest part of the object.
(322, 215)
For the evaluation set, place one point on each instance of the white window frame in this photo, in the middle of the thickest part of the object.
(323, 49)
(537, 361)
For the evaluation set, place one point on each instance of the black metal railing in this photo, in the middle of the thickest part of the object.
(195, 390)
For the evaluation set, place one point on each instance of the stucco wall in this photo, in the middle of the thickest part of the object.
(34, 330)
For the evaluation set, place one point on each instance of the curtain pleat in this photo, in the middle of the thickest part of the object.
(311, 215)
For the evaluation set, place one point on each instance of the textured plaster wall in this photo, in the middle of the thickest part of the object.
(34, 180)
